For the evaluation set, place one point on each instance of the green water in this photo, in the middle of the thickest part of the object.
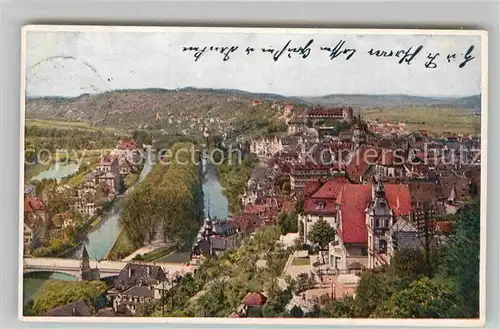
(32, 282)
(57, 171)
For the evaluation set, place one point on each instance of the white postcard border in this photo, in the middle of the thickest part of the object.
(270, 321)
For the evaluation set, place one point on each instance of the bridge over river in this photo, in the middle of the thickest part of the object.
(106, 268)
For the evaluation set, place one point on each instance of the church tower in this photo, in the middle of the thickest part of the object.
(378, 223)
(86, 272)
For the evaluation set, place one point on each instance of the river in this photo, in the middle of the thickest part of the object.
(57, 171)
(100, 241)
(215, 205)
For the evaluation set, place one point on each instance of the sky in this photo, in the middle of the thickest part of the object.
(69, 63)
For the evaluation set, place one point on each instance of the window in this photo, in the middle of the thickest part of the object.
(364, 252)
(320, 205)
(337, 263)
(382, 246)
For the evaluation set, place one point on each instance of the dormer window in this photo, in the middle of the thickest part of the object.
(320, 205)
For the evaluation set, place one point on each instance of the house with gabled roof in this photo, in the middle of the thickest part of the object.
(78, 308)
(36, 222)
(365, 214)
(320, 203)
(137, 284)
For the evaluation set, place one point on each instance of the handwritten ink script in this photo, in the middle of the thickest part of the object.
(338, 50)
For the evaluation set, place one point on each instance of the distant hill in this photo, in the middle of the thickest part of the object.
(395, 101)
(176, 111)
(190, 109)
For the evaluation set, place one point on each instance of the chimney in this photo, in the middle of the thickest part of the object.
(129, 271)
(148, 270)
(73, 311)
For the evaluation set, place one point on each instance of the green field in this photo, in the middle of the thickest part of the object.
(66, 125)
(436, 120)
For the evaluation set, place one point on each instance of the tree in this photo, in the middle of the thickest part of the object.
(296, 312)
(461, 259)
(141, 137)
(426, 224)
(303, 282)
(276, 305)
(286, 187)
(59, 293)
(167, 201)
(375, 288)
(321, 233)
(339, 308)
(425, 298)
(255, 312)
(288, 223)
(409, 263)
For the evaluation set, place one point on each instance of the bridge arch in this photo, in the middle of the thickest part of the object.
(50, 275)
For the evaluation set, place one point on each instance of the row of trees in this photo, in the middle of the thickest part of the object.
(167, 200)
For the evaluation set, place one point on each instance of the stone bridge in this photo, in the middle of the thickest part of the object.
(106, 268)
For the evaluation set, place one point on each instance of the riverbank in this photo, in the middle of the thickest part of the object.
(34, 170)
(121, 248)
(233, 177)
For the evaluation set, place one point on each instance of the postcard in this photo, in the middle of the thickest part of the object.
(253, 175)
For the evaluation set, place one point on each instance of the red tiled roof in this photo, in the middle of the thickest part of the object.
(107, 160)
(33, 204)
(361, 161)
(310, 206)
(127, 145)
(254, 299)
(444, 226)
(331, 188)
(311, 187)
(398, 198)
(354, 201)
(326, 194)
(256, 208)
(248, 222)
